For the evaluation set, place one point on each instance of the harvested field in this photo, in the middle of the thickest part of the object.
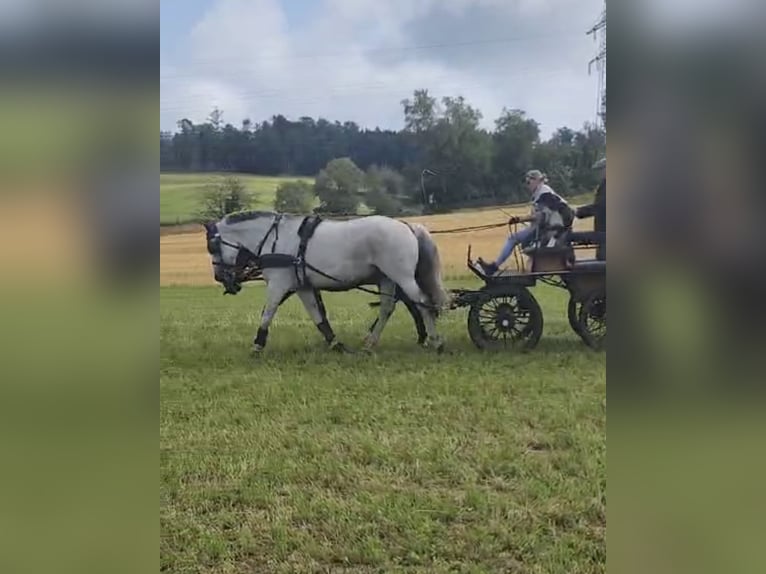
(184, 260)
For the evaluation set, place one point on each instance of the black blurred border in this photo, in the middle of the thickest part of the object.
(79, 415)
(686, 112)
(77, 54)
(686, 119)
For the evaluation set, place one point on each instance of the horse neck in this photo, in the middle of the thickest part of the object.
(252, 233)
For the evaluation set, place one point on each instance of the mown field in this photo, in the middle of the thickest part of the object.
(302, 460)
(179, 192)
(403, 461)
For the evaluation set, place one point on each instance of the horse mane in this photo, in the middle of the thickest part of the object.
(240, 216)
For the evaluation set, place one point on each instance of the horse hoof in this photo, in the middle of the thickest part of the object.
(256, 350)
(437, 344)
(368, 343)
(339, 347)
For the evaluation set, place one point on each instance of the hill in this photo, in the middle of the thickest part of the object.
(179, 192)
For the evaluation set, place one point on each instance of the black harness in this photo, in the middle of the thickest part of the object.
(305, 232)
(249, 265)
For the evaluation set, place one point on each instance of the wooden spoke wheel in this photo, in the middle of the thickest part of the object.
(505, 320)
(592, 320)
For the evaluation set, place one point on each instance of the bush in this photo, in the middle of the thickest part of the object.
(338, 187)
(294, 197)
(385, 190)
(224, 196)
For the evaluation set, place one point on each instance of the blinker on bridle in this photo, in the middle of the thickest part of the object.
(246, 264)
(230, 273)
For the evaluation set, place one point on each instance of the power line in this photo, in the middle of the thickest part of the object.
(568, 33)
(446, 80)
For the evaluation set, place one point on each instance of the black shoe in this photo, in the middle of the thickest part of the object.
(488, 268)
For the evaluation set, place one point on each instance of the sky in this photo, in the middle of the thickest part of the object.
(355, 60)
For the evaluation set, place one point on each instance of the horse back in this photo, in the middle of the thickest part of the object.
(363, 249)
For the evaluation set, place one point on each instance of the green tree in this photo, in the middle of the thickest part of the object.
(338, 187)
(384, 190)
(420, 113)
(514, 142)
(568, 156)
(215, 119)
(451, 143)
(590, 145)
(294, 197)
(463, 150)
(223, 196)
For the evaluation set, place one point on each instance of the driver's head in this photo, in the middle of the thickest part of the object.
(533, 178)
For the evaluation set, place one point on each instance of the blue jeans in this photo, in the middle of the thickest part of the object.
(514, 239)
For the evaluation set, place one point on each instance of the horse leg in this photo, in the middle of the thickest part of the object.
(417, 297)
(387, 305)
(415, 314)
(312, 301)
(276, 295)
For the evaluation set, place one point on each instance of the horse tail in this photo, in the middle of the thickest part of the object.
(428, 273)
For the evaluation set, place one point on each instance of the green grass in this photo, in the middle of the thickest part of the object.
(179, 192)
(302, 460)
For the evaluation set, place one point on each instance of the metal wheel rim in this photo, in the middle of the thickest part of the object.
(516, 331)
(573, 314)
(593, 319)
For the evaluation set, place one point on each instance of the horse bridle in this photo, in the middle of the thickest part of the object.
(246, 265)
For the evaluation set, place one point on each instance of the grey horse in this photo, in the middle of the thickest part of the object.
(305, 255)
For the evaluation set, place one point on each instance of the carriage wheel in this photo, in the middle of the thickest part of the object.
(573, 314)
(507, 320)
(592, 320)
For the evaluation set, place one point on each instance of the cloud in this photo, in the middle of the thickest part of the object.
(359, 58)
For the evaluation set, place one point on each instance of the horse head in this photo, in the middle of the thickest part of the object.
(224, 256)
(235, 244)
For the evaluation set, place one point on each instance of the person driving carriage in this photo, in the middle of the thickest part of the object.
(549, 212)
(596, 210)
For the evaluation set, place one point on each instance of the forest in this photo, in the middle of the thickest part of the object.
(442, 158)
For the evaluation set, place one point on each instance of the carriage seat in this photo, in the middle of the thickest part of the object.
(553, 237)
(590, 265)
(551, 251)
(586, 238)
(545, 259)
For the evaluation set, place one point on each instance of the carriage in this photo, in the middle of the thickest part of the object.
(504, 314)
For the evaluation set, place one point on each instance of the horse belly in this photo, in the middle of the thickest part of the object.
(340, 264)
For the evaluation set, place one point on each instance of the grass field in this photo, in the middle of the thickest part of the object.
(403, 461)
(179, 192)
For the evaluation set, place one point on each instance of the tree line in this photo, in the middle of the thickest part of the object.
(442, 159)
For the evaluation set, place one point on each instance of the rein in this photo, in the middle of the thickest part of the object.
(472, 228)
